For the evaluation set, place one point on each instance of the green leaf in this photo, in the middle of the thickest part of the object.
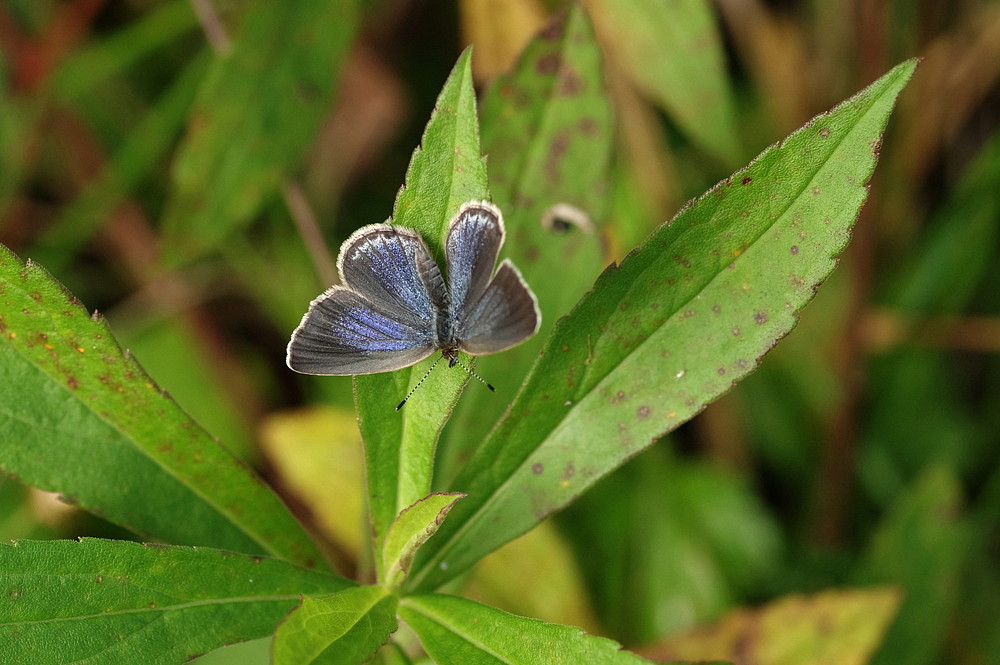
(456, 631)
(344, 628)
(80, 417)
(673, 52)
(684, 317)
(547, 129)
(19, 117)
(448, 168)
(662, 534)
(411, 530)
(959, 249)
(540, 554)
(393, 654)
(117, 54)
(921, 545)
(102, 601)
(256, 114)
(205, 394)
(253, 652)
(446, 171)
(131, 164)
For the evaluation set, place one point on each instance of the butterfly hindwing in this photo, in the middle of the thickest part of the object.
(504, 316)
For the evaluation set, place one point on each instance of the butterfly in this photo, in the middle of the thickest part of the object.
(394, 308)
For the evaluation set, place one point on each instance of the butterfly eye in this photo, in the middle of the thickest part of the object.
(562, 218)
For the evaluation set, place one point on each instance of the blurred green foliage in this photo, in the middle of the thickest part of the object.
(863, 451)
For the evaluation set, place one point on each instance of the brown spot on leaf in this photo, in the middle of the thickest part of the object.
(570, 82)
(760, 317)
(548, 63)
(642, 412)
(794, 249)
(746, 181)
(552, 31)
(537, 468)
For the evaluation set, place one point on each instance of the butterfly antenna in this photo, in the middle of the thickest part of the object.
(414, 388)
(471, 373)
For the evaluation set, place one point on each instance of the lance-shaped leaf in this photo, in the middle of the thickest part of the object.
(456, 631)
(102, 601)
(256, 114)
(547, 133)
(412, 528)
(80, 417)
(686, 315)
(923, 544)
(445, 171)
(673, 52)
(344, 628)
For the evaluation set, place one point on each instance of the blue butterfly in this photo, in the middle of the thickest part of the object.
(393, 307)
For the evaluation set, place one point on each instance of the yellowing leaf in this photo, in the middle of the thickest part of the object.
(317, 452)
(836, 627)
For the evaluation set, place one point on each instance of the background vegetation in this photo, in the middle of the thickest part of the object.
(862, 453)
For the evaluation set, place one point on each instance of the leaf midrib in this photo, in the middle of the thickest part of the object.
(161, 609)
(415, 606)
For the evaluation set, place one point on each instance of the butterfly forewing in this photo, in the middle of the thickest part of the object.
(391, 267)
(473, 243)
(385, 315)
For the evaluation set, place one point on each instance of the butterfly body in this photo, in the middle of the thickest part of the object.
(394, 306)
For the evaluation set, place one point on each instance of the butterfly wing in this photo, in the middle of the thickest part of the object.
(386, 314)
(471, 248)
(392, 267)
(505, 315)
